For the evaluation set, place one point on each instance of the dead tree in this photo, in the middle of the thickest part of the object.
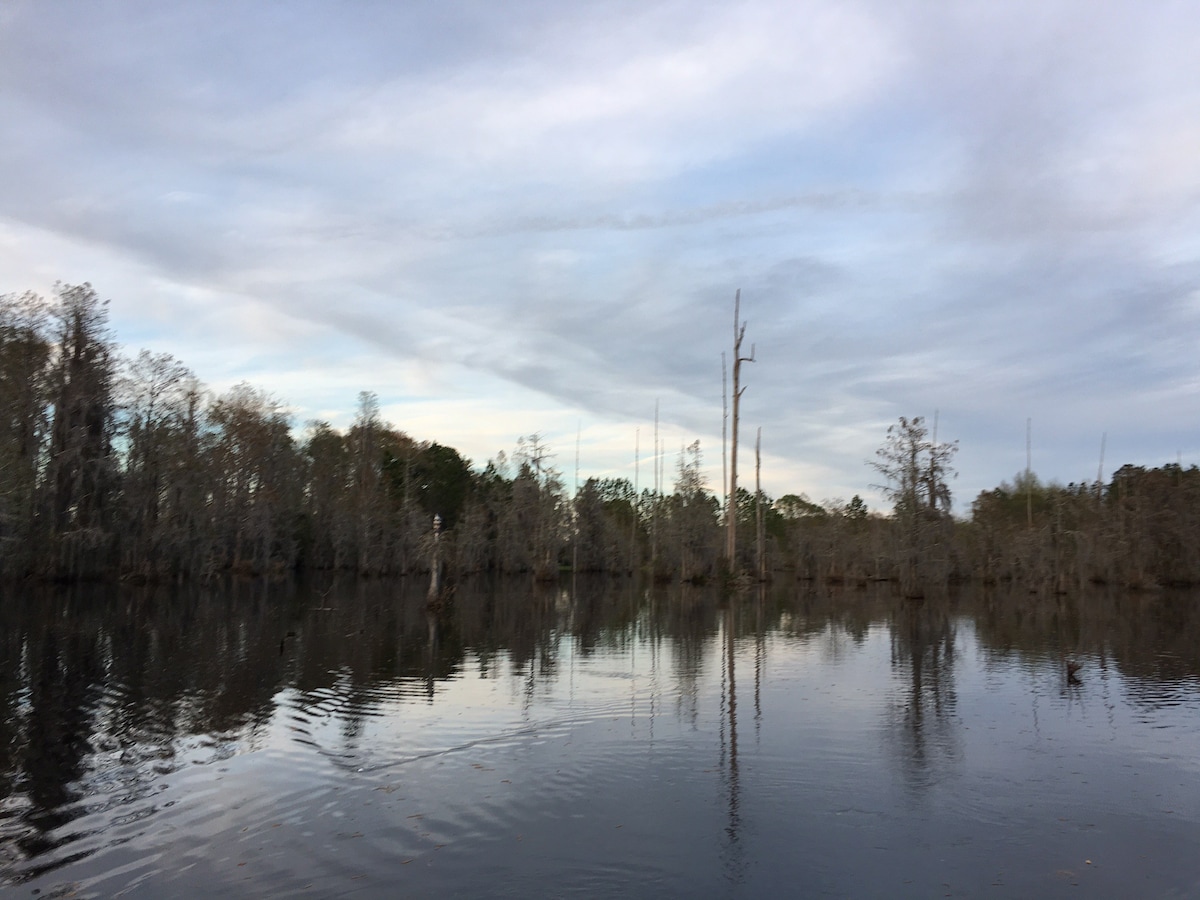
(739, 332)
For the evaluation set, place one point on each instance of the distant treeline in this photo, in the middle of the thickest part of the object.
(127, 467)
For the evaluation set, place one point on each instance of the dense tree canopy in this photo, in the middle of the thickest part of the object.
(115, 467)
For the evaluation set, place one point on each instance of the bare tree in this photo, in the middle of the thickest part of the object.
(916, 468)
(739, 332)
(366, 507)
(759, 524)
(693, 518)
(154, 393)
(538, 506)
(255, 485)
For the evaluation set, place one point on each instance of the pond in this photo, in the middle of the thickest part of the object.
(595, 739)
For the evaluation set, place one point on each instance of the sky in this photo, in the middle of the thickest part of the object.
(532, 217)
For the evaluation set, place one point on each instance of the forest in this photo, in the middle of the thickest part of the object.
(115, 467)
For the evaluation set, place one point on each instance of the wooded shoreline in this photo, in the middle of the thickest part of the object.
(116, 468)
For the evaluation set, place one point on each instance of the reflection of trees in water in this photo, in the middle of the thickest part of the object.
(688, 620)
(745, 617)
(99, 685)
(62, 676)
(1158, 649)
(734, 850)
(125, 685)
(923, 655)
(130, 684)
(807, 613)
(1152, 639)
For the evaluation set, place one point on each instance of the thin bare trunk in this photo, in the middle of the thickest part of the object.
(758, 507)
(1028, 472)
(575, 513)
(725, 431)
(654, 499)
(633, 528)
(739, 332)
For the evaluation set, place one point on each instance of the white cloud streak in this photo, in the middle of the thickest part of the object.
(519, 218)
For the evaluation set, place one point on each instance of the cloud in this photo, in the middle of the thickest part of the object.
(985, 211)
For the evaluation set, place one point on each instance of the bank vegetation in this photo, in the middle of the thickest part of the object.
(117, 467)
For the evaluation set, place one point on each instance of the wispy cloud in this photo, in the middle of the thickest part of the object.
(541, 211)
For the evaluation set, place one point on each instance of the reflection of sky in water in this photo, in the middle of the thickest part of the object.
(833, 679)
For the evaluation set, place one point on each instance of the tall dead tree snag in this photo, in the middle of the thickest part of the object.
(739, 332)
(759, 528)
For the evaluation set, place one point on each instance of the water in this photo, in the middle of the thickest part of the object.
(343, 740)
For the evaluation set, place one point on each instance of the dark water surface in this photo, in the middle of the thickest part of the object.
(596, 740)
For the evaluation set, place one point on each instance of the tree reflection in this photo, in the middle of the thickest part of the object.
(735, 855)
(104, 686)
(1152, 639)
(923, 656)
(62, 679)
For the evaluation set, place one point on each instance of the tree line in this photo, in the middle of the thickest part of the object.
(114, 466)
